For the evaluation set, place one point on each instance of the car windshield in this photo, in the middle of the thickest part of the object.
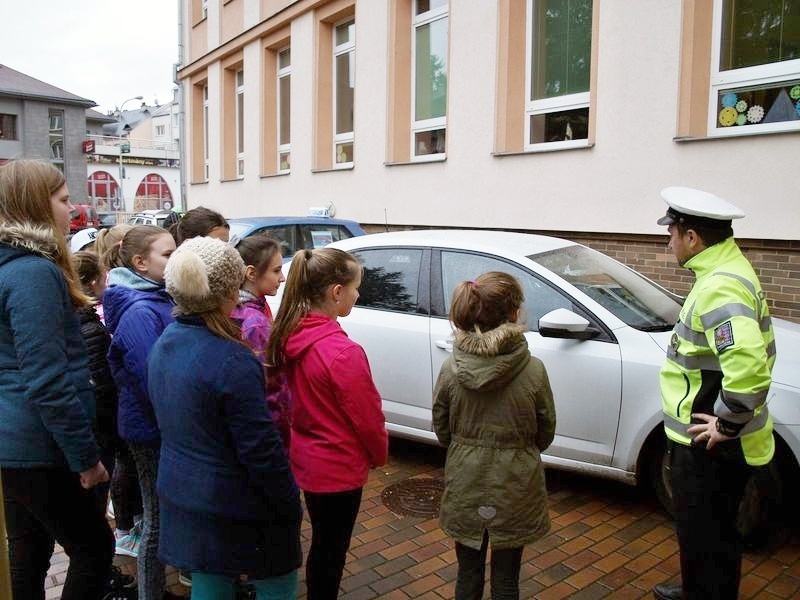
(238, 230)
(632, 297)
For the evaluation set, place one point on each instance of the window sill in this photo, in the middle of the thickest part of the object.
(543, 150)
(334, 169)
(429, 161)
(231, 180)
(728, 136)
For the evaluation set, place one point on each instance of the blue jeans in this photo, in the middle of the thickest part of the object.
(207, 586)
(150, 571)
(45, 505)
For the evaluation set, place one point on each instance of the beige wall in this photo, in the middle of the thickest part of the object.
(645, 90)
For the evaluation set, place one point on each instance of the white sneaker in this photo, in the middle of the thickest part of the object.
(110, 510)
(129, 545)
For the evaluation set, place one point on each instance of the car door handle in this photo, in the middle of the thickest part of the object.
(444, 345)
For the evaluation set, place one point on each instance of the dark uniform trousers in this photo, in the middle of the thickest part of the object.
(707, 488)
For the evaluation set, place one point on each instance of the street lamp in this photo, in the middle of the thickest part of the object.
(121, 199)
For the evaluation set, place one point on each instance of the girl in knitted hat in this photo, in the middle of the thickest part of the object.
(137, 309)
(229, 504)
(338, 428)
(493, 409)
(263, 276)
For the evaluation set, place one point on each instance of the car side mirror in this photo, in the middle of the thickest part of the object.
(563, 323)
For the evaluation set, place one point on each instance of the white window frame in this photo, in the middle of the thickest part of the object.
(546, 105)
(239, 81)
(349, 48)
(283, 149)
(436, 123)
(749, 77)
(205, 133)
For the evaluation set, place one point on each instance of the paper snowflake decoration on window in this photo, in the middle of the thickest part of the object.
(741, 106)
(755, 113)
(727, 116)
(729, 100)
(741, 119)
(797, 108)
(794, 93)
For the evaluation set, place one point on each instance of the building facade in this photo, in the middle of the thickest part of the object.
(38, 120)
(556, 116)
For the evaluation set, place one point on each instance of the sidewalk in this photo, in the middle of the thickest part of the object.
(607, 541)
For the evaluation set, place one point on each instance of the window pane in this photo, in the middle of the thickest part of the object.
(753, 106)
(759, 32)
(240, 122)
(344, 92)
(540, 298)
(430, 142)
(284, 58)
(344, 153)
(561, 47)
(424, 6)
(8, 127)
(284, 108)
(431, 70)
(345, 33)
(390, 279)
(559, 126)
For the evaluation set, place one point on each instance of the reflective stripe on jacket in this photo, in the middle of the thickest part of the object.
(721, 354)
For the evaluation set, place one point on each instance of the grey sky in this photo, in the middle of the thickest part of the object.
(104, 50)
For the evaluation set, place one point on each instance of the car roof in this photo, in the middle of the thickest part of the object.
(261, 221)
(502, 242)
(151, 213)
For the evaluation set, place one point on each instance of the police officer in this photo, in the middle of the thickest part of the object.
(714, 386)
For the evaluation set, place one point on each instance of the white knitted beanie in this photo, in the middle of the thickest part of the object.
(203, 273)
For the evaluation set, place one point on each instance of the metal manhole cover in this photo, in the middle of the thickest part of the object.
(415, 497)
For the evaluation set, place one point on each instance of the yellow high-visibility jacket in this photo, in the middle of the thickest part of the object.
(721, 354)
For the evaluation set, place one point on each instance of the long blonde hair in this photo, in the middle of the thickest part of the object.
(26, 187)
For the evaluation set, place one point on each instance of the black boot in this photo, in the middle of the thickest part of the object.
(668, 591)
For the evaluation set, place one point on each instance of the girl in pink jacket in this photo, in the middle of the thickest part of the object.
(338, 427)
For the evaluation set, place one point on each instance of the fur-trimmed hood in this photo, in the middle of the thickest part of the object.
(34, 239)
(489, 360)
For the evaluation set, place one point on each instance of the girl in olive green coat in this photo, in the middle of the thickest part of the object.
(493, 409)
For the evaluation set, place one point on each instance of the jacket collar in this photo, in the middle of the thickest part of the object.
(32, 238)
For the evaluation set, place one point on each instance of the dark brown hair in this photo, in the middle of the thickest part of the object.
(486, 302)
(310, 274)
(258, 250)
(196, 222)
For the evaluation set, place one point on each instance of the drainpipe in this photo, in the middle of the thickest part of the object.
(181, 109)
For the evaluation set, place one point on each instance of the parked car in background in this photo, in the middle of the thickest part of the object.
(295, 233)
(83, 216)
(107, 220)
(600, 328)
(150, 217)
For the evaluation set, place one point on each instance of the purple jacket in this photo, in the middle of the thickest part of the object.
(256, 321)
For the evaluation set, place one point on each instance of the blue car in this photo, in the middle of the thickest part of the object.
(295, 233)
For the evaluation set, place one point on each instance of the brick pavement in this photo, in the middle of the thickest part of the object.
(607, 541)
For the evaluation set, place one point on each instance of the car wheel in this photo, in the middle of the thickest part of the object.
(657, 472)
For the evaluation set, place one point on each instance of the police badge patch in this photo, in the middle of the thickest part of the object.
(723, 336)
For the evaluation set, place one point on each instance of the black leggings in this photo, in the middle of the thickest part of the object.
(505, 567)
(332, 518)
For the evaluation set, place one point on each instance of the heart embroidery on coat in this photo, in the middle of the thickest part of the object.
(487, 512)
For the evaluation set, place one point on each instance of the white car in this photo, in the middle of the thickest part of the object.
(600, 328)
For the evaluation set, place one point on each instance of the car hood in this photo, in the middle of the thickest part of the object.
(787, 343)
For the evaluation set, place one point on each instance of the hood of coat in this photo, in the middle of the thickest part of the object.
(125, 288)
(489, 360)
(28, 239)
(310, 330)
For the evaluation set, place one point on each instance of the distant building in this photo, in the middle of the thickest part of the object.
(146, 142)
(39, 120)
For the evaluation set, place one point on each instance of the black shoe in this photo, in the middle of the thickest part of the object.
(668, 591)
(185, 578)
(120, 580)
